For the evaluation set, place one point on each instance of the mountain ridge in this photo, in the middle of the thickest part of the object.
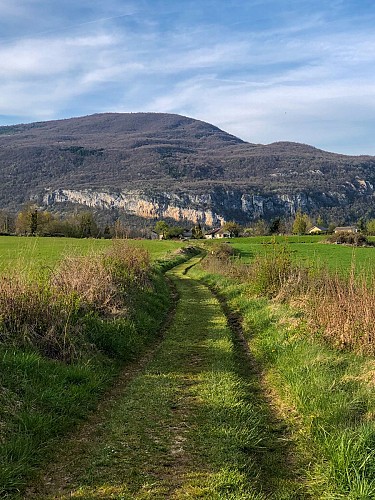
(165, 157)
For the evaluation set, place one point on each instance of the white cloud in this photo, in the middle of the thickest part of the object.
(297, 81)
(320, 115)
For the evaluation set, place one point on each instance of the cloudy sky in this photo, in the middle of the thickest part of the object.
(264, 70)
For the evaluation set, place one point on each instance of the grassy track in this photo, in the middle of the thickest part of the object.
(190, 424)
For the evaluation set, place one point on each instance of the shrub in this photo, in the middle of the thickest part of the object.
(87, 279)
(343, 309)
(104, 283)
(129, 266)
(223, 251)
(355, 239)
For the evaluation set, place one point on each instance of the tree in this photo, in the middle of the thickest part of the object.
(275, 226)
(87, 225)
(233, 228)
(161, 227)
(320, 221)
(261, 228)
(370, 227)
(33, 221)
(331, 227)
(119, 230)
(197, 232)
(44, 222)
(301, 223)
(361, 224)
(26, 221)
(107, 232)
(174, 232)
(6, 222)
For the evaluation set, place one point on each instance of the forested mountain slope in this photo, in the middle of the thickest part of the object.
(164, 165)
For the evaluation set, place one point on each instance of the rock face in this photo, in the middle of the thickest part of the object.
(167, 166)
(163, 205)
(212, 208)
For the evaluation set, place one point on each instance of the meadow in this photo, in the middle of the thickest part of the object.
(64, 335)
(322, 395)
(42, 254)
(312, 334)
(310, 251)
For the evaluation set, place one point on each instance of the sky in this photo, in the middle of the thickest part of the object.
(263, 70)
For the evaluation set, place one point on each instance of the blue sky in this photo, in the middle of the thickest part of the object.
(296, 70)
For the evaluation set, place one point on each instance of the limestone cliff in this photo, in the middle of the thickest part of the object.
(211, 208)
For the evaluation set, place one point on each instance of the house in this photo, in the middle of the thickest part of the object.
(217, 233)
(211, 234)
(318, 230)
(346, 229)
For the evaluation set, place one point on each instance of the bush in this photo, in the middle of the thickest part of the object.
(355, 239)
(341, 308)
(223, 251)
(32, 315)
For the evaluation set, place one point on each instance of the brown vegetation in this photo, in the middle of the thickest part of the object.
(340, 309)
(353, 239)
(49, 316)
(343, 310)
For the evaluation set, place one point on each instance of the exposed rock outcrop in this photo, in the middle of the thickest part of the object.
(212, 208)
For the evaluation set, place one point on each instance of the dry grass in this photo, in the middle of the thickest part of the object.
(90, 281)
(342, 309)
(48, 315)
(31, 315)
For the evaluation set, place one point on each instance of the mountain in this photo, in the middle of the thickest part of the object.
(164, 165)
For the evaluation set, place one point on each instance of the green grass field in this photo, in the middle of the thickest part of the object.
(310, 250)
(37, 254)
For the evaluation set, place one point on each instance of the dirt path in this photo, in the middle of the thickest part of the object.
(179, 424)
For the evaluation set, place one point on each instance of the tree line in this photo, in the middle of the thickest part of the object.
(32, 221)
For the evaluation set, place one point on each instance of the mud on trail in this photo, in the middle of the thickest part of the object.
(181, 423)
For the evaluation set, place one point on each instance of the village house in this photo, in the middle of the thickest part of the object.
(217, 233)
(346, 229)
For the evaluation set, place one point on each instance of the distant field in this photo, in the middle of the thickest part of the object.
(311, 250)
(42, 253)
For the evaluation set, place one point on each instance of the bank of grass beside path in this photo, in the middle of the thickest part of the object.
(63, 341)
(325, 394)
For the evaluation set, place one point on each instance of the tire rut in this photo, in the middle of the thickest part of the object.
(277, 427)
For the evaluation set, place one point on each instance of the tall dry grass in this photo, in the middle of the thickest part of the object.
(49, 314)
(31, 315)
(341, 309)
